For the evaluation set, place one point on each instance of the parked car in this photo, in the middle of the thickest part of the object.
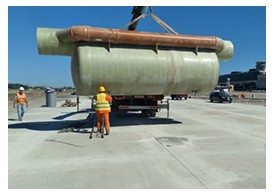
(220, 96)
(179, 96)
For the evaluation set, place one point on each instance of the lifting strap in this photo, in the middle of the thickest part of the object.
(133, 21)
(165, 26)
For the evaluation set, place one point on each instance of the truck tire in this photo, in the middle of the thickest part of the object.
(153, 114)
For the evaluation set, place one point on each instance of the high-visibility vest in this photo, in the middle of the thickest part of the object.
(102, 103)
(21, 98)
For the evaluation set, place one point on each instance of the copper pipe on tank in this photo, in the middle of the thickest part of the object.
(91, 34)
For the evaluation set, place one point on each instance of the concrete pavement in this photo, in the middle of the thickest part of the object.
(202, 145)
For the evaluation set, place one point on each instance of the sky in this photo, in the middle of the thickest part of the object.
(245, 26)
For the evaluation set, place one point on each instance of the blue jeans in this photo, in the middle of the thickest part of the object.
(20, 111)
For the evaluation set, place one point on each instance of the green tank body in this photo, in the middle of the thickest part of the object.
(126, 69)
(140, 71)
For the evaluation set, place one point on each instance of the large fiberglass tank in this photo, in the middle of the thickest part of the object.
(137, 63)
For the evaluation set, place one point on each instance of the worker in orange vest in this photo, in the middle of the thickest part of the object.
(103, 109)
(20, 99)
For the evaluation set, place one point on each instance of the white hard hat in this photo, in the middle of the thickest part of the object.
(21, 89)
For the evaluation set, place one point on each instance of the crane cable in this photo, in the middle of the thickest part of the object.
(165, 26)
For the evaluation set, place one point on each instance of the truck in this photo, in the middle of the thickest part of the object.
(149, 105)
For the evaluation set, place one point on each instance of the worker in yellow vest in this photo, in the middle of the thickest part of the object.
(103, 109)
(21, 100)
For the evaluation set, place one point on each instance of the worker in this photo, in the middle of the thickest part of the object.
(103, 109)
(20, 99)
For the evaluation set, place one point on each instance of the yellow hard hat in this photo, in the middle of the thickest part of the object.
(101, 89)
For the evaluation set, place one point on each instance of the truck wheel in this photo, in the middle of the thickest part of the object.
(144, 113)
(153, 114)
(148, 114)
(121, 113)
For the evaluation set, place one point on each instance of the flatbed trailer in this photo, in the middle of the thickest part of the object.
(149, 105)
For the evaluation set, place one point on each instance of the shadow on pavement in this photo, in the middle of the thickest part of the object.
(78, 126)
(53, 125)
(61, 117)
(133, 119)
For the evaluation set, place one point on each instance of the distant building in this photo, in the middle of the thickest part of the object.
(254, 79)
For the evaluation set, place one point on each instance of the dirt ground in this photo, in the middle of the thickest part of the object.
(37, 98)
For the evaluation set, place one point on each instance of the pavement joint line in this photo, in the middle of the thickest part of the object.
(171, 153)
